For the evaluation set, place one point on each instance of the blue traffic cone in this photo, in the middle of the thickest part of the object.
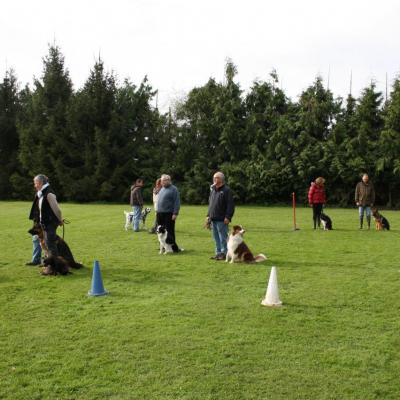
(97, 283)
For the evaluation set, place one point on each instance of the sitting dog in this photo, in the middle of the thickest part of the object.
(129, 217)
(238, 250)
(63, 249)
(162, 238)
(326, 222)
(381, 223)
(55, 265)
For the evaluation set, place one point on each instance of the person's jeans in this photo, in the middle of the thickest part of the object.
(36, 250)
(220, 235)
(137, 212)
(367, 210)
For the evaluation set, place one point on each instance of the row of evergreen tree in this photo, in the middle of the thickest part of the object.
(94, 141)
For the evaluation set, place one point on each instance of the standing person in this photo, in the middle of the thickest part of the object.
(317, 199)
(137, 203)
(168, 205)
(46, 211)
(156, 190)
(365, 199)
(220, 212)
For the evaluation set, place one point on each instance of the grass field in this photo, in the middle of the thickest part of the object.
(186, 327)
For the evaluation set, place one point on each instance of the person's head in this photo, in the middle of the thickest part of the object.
(158, 183)
(39, 181)
(365, 178)
(139, 182)
(165, 180)
(320, 181)
(219, 179)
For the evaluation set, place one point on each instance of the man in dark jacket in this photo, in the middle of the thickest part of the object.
(45, 210)
(365, 199)
(220, 212)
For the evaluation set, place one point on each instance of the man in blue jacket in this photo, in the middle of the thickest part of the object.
(168, 206)
(220, 212)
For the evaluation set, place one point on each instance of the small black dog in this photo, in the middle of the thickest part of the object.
(326, 222)
(63, 249)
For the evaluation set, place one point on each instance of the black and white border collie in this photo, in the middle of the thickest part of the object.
(238, 250)
(326, 222)
(162, 234)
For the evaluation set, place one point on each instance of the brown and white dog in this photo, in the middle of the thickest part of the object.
(238, 250)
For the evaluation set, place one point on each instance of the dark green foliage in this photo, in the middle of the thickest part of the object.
(95, 141)
(9, 140)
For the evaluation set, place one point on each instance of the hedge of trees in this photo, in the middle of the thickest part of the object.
(94, 141)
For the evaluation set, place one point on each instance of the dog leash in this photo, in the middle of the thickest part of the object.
(65, 221)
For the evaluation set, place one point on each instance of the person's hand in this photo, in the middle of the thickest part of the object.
(207, 223)
(357, 203)
(61, 223)
(174, 217)
(226, 221)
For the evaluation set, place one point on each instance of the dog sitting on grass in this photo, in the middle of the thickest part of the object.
(381, 223)
(238, 249)
(63, 262)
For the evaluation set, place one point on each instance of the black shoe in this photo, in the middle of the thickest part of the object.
(32, 264)
(220, 257)
(214, 257)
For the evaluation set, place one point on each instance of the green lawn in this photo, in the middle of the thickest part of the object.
(186, 327)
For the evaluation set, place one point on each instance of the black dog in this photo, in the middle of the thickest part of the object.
(63, 249)
(326, 222)
(55, 265)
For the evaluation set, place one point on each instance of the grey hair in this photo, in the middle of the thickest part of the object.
(220, 175)
(42, 178)
(165, 177)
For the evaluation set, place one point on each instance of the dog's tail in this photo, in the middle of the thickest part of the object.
(76, 265)
(260, 258)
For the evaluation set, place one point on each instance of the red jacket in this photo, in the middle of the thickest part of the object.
(316, 194)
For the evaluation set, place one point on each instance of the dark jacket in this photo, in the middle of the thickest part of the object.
(220, 204)
(316, 194)
(136, 196)
(365, 194)
(48, 216)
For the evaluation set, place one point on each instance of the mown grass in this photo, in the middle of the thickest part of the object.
(186, 327)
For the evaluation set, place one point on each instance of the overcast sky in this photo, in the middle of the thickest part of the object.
(180, 44)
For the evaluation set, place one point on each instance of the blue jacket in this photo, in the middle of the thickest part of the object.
(168, 200)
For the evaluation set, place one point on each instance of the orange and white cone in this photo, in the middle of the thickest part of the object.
(272, 296)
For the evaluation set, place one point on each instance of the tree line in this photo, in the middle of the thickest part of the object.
(93, 142)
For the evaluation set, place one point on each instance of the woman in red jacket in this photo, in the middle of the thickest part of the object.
(316, 199)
